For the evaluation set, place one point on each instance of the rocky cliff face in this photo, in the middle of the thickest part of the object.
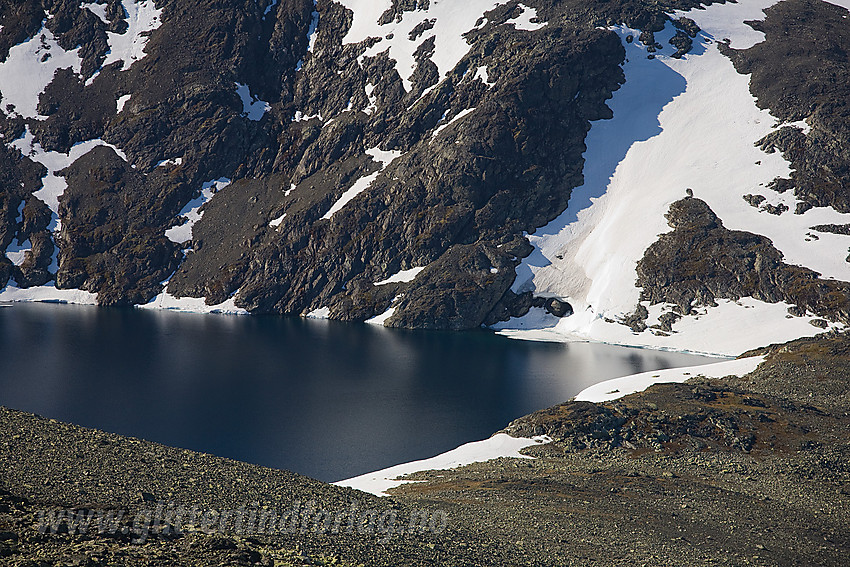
(485, 152)
(323, 161)
(701, 260)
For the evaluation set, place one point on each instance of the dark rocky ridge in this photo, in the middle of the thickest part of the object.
(802, 72)
(20, 177)
(444, 190)
(506, 168)
(183, 103)
(701, 260)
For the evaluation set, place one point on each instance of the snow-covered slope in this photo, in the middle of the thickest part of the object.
(497, 446)
(688, 123)
(389, 158)
(447, 22)
(619, 387)
(729, 329)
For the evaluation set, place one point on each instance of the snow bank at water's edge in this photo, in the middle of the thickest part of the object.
(497, 446)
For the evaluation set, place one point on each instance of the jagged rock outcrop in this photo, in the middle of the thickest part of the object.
(801, 72)
(110, 242)
(458, 288)
(701, 260)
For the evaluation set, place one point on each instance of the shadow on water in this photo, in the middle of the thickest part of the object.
(326, 399)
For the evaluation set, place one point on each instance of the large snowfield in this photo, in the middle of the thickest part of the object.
(678, 124)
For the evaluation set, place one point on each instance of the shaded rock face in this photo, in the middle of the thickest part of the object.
(182, 104)
(509, 168)
(802, 72)
(461, 286)
(109, 239)
(457, 199)
(701, 260)
(23, 218)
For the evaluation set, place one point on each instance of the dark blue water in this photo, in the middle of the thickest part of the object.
(326, 399)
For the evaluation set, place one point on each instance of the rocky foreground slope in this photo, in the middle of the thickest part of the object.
(733, 471)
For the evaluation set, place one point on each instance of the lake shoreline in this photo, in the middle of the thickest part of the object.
(290, 393)
(631, 481)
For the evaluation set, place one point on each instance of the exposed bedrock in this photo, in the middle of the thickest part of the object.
(802, 72)
(484, 154)
(506, 167)
(701, 260)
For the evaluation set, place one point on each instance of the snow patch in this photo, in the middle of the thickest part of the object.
(17, 253)
(451, 21)
(619, 387)
(29, 68)
(311, 32)
(122, 100)
(301, 117)
(311, 37)
(800, 124)
(277, 222)
(46, 294)
(373, 100)
(498, 446)
(252, 107)
(191, 213)
(381, 319)
(129, 47)
(460, 116)
(384, 158)
(403, 276)
(482, 75)
(727, 330)
(527, 20)
(168, 302)
(320, 313)
(359, 186)
(98, 10)
(168, 162)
